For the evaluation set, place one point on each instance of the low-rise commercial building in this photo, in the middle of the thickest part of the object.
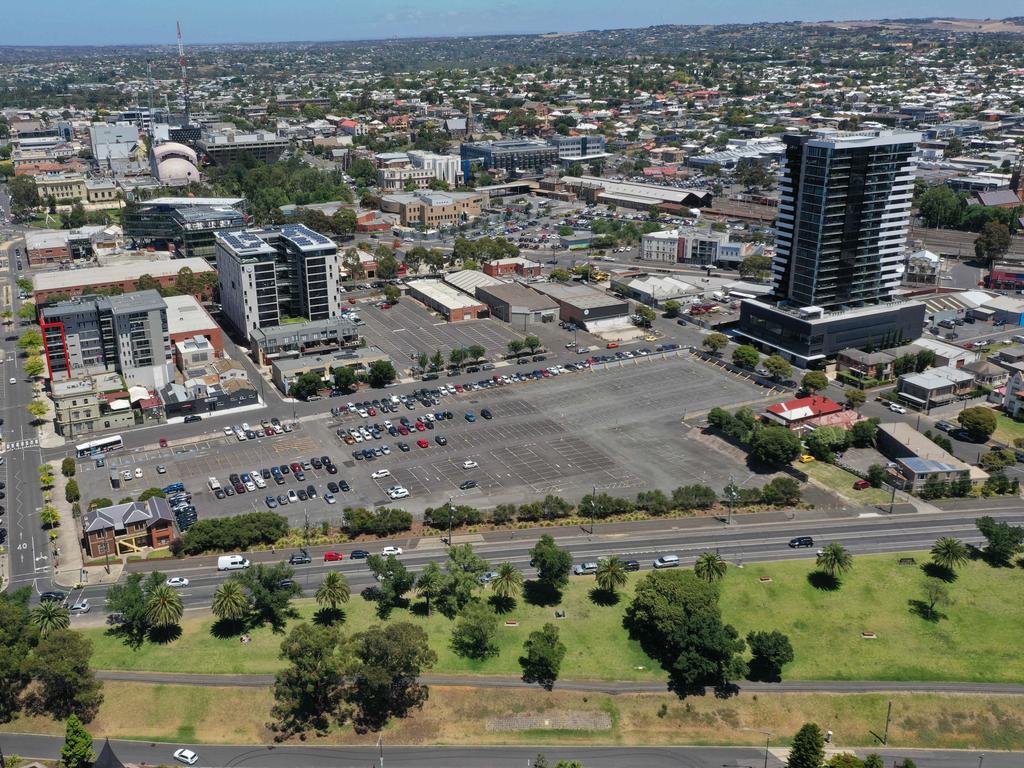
(452, 304)
(188, 319)
(62, 187)
(286, 370)
(655, 290)
(802, 412)
(513, 266)
(446, 168)
(637, 196)
(516, 157)
(588, 308)
(517, 305)
(294, 340)
(398, 179)
(683, 246)
(918, 459)
(123, 278)
(433, 209)
(126, 529)
(207, 391)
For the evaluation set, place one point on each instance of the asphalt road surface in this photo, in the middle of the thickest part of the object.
(28, 547)
(749, 541)
(48, 747)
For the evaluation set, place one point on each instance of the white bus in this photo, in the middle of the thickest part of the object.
(100, 445)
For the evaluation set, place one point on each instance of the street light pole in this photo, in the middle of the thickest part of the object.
(449, 521)
(767, 741)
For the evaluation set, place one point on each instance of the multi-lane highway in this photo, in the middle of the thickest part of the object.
(748, 540)
(372, 754)
(29, 559)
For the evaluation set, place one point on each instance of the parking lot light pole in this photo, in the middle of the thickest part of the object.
(449, 542)
(892, 481)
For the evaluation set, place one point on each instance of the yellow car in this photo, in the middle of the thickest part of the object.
(650, 337)
(806, 458)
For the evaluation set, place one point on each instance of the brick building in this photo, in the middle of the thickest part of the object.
(128, 528)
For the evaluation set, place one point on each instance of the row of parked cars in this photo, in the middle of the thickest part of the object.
(266, 428)
(180, 499)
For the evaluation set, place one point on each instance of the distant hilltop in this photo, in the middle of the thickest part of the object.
(1012, 25)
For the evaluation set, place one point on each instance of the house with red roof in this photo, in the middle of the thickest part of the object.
(794, 414)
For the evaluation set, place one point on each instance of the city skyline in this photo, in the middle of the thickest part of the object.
(121, 23)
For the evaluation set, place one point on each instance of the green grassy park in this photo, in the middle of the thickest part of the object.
(841, 481)
(976, 640)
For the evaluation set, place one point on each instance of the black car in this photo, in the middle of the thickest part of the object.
(303, 496)
(359, 554)
(317, 464)
(285, 469)
(311, 491)
(219, 493)
(331, 469)
(403, 447)
(53, 597)
(193, 418)
(229, 490)
(265, 473)
(345, 487)
(327, 461)
(357, 455)
(801, 541)
(465, 485)
(300, 558)
(486, 413)
(285, 584)
(631, 565)
(441, 440)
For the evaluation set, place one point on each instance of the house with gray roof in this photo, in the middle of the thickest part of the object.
(124, 529)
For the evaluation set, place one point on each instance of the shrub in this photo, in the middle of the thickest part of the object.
(231, 533)
(380, 522)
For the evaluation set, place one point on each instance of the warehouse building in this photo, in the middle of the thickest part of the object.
(286, 370)
(586, 307)
(452, 303)
(518, 305)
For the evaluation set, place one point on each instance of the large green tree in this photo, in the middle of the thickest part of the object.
(381, 373)
(940, 206)
(65, 684)
(383, 682)
(309, 691)
(1002, 540)
(770, 652)
(774, 445)
(463, 570)
(393, 581)
(270, 589)
(611, 574)
(710, 567)
(834, 559)
(808, 749)
(978, 421)
(552, 563)
(18, 636)
(475, 632)
(542, 657)
(230, 602)
(675, 617)
(51, 616)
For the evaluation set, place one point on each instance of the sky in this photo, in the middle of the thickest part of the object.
(112, 22)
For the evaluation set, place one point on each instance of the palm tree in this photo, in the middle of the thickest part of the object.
(230, 602)
(949, 552)
(508, 583)
(50, 616)
(710, 567)
(164, 606)
(835, 559)
(611, 574)
(333, 589)
(430, 583)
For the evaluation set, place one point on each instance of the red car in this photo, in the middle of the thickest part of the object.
(268, 431)
(332, 556)
(163, 442)
(296, 467)
(458, 388)
(422, 443)
(860, 485)
(372, 411)
(385, 305)
(420, 427)
(403, 430)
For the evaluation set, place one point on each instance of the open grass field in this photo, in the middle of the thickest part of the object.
(841, 481)
(1008, 430)
(978, 639)
(466, 715)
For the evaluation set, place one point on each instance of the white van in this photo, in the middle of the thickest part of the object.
(231, 563)
(213, 483)
(667, 561)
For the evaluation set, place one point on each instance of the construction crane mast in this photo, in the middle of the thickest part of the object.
(184, 77)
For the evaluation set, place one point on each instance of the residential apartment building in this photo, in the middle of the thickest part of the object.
(273, 274)
(301, 339)
(126, 334)
(840, 235)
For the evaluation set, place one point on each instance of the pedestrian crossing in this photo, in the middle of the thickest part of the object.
(17, 444)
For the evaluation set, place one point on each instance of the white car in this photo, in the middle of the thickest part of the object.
(398, 493)
(293, 497)
(229, 431)
(138, 471)
(246, 427)
(126, 475)
(381, 473)
(80, 606)
(13, 380)
(186, 756)
(389, 551)
(469, 464)
(363, 413)
(177, 581)
(897, 408)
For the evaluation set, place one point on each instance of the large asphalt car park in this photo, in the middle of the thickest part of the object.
(617, 428)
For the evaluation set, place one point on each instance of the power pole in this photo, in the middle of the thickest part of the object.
(888, 719)
(449, 542)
